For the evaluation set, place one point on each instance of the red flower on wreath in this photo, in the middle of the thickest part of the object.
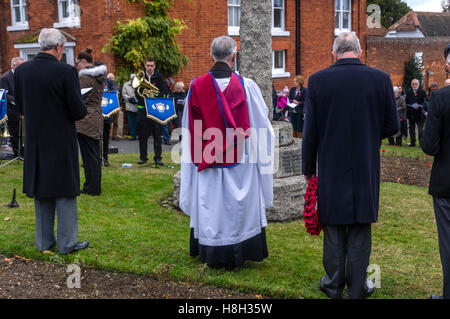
(312, 224)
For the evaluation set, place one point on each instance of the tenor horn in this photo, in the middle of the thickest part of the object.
(144, 87)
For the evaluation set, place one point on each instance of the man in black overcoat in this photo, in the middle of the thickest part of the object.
(436, 142)
(350, 108)
(48, 95)
(415, 99)
(145, 126)
(14, 127)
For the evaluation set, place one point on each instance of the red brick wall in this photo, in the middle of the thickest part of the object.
(205, 20)
(390, 55)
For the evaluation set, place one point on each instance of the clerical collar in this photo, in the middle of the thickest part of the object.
(221, 70)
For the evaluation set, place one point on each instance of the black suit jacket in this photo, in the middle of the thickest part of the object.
(350, 107)
(436, 141)
(419, 98)
(7, 82)
(49, 96)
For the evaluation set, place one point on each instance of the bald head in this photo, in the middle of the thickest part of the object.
(447, 82)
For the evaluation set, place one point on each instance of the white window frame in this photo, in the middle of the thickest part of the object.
(279, 31)
(276, 32)
(341, 10)
(23, 23)
(73, 20)
(233, 30)
(279, 72)
(34, 48)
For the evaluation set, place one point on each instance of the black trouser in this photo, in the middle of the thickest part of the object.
(412, 130)
(106, 130)
(346, 245)
(442, 213)
(14, 129)
(92, 163)
(398, 140)
(146, 127)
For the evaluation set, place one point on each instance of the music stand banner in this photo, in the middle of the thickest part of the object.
(160, 109)
(110, 103)
(2, 106)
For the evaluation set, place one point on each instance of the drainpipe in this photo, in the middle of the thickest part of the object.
(297, 37)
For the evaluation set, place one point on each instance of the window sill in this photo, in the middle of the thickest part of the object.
(67, 24)
(276, 75)
(233, 31)
(280, 33)
(338, 32)
(18, 27)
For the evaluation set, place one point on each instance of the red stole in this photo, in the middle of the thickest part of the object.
(218, 122)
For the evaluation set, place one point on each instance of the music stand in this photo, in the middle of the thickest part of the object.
(19, 141)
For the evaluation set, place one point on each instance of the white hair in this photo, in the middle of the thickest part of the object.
(346, 42)
(396, 89)
(49, 39)
(15, 60)
(223, 48)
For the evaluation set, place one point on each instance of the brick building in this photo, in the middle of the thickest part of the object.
(302, 31)
(421, 34)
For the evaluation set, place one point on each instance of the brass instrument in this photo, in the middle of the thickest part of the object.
(144, 87)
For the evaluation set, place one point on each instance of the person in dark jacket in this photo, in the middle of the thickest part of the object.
(48, 94)
(179, 95)
(401, 109)
(145, 126)
(346, 119)
(433, 87)
(436, 142)
(90, 128)
(415, 98)
(14, 120)
(297, 96)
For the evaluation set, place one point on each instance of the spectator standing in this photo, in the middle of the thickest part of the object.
(131, 102)
(48, 94)
(297, 95)
(415, 98)
(401, 109)
(90, 128)
(436, 142)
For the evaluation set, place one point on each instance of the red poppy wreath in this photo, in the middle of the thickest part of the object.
(313, 227)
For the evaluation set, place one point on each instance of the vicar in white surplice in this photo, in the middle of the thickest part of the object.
(227, 163)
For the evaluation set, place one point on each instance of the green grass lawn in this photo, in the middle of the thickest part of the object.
(129, 231)
(403, 151)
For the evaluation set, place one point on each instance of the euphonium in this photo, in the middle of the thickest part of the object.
(144, 87)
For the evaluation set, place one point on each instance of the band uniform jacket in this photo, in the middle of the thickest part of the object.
(48, 94)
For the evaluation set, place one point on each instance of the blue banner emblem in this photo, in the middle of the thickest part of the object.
(160, 109)
(110, 103)
(2, 106)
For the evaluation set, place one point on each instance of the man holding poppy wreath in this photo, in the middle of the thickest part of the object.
(350, 108)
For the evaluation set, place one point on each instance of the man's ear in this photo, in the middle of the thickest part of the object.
(359, 54)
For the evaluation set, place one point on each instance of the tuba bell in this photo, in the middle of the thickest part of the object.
(144, 87)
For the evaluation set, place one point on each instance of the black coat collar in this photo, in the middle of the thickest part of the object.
(43, 55)
(348, 61)
(221, 70)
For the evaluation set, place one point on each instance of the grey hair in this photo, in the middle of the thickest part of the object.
(396, 89)
(49, 39)
(15, 60)
(346, 42)
(179, 85)
(223, 48)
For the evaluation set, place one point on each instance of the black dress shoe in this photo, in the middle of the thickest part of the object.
(142, 162)
(158, 162)
(436, 297)
(106, 164)
(326, 291)
(79, 246)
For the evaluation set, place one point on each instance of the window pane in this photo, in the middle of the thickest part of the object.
(278, 60)
(277, 18)
(346, 5)
(30, 56)
(277, 3)
(337, 17)
(238, 2)
(234, 16)
(16, 2)
(338, 5)
(65, 9)
(17, 14)
(346, 20)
